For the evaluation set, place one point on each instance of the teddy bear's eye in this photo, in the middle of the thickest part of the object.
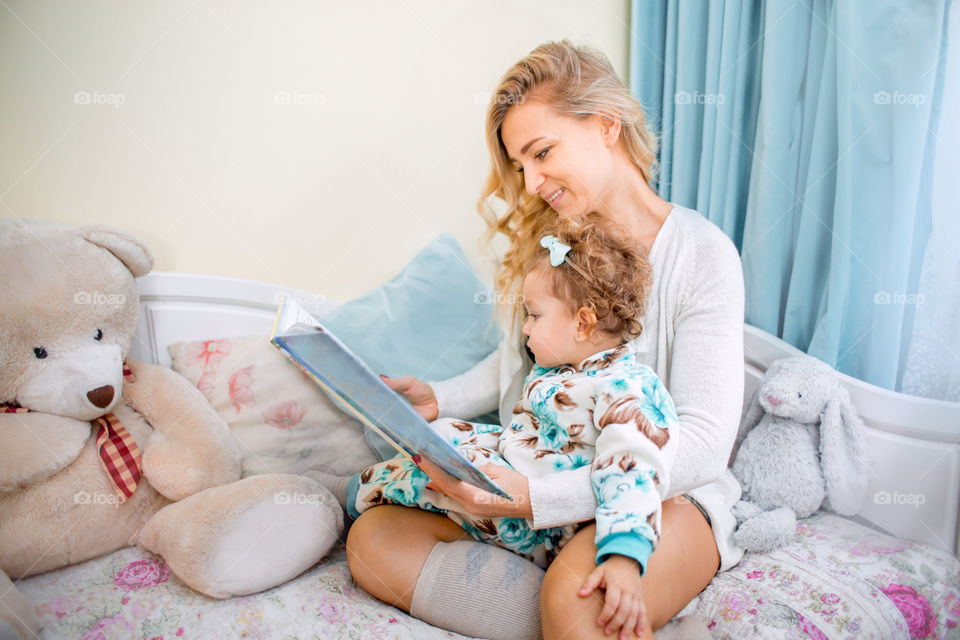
(98, 336)
(799, 395)
(40, 352)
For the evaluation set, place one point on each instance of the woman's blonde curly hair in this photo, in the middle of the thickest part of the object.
(603, 271)
(576, 81)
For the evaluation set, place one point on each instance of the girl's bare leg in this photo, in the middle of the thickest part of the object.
(388, 545)
(684, 562)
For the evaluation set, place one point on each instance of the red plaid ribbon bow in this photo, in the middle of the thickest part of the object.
(119, 454)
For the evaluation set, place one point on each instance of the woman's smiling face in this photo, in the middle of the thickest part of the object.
(566, 161)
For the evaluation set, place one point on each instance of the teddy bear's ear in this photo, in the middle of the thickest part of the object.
(126, 248)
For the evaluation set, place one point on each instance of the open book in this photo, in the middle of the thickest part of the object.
(364, 395)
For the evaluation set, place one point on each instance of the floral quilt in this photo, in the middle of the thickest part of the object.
(131, 594)
(837, 580)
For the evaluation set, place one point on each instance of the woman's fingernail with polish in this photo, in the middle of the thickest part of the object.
(416, 459)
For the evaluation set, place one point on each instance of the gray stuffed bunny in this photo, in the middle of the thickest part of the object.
(800, 446)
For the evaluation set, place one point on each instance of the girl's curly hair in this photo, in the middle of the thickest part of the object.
(603, 271)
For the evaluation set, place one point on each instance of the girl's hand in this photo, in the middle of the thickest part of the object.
(619, 577)
(418, 392)
(477, 501)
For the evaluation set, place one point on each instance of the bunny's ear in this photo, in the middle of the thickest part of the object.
(842, 454)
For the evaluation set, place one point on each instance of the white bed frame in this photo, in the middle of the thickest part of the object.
(914, 443)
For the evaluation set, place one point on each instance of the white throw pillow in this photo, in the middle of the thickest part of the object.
(282, 420)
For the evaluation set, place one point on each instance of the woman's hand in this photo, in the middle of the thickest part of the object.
(418, 392)
(619, 577)
(477, 501)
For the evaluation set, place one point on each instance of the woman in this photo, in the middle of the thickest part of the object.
(566, 138)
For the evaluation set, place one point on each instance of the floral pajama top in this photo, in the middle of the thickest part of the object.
(613, 413)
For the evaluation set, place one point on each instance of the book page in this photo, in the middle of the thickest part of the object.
(294, 319)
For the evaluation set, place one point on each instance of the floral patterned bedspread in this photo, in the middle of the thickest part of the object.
(131, 594)
(837, 580)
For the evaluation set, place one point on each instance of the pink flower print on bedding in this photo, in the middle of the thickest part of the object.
(916, 610)
(207, 382)
(113, 627)
(208, 354)
(284, 415)
(142, 574)
(809, 628)
(239, 386)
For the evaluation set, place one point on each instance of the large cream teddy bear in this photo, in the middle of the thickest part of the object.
(95, 455)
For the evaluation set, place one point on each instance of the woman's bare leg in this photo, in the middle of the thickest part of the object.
(684, 562)
(388, 544)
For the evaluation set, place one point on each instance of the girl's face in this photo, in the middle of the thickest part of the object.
(566, 161)
(550, 326)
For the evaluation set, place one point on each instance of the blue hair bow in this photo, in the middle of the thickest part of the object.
(558, 250)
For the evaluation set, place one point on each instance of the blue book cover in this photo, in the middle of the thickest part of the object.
(362, 393)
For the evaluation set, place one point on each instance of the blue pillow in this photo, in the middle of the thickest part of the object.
(432, 321)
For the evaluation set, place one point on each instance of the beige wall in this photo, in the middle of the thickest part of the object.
(315, 144)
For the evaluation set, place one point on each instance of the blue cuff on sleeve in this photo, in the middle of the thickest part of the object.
(627, 544)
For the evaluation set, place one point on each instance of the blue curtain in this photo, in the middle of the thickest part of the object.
(806, 131)
(694, 67)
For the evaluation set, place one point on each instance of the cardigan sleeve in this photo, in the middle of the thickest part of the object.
(561, 498)
(706, 365)
(472, 393)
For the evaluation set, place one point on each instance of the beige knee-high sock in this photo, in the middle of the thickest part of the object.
(336, 484)
(479, 590)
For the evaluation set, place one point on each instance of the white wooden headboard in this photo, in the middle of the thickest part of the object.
(179, 306)
(914, 443)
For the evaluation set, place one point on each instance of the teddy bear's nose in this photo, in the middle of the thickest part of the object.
(101, 396)
(770, 399)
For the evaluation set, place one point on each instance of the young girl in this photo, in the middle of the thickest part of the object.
(586, 401)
